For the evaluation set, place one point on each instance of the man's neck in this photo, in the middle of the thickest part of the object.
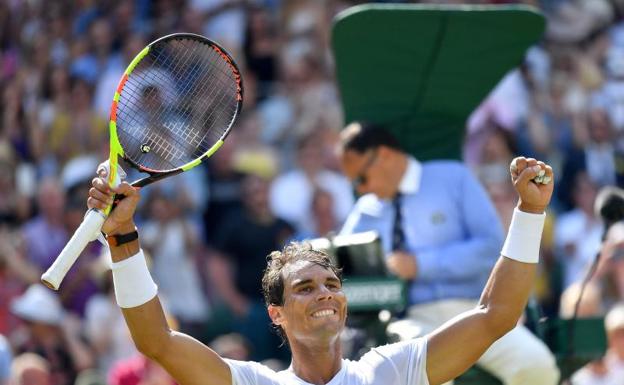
(316, 364)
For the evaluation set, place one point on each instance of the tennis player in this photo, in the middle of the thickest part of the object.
(306, 303)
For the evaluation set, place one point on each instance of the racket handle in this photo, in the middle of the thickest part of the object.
(86, 232)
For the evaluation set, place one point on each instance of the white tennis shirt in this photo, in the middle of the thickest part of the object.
(402, 363)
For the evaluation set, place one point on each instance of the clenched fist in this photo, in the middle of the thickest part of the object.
(533, 180)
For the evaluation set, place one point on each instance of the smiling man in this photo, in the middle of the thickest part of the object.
(305, 302)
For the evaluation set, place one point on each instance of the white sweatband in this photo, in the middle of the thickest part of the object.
(524, 237)
(133, 282)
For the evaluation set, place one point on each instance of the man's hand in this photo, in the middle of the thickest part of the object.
(101, 195)
(533, 195)
(402, 264)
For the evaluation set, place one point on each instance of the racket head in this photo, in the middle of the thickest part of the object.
(174, 106)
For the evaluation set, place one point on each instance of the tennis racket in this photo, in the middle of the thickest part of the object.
(173, 108)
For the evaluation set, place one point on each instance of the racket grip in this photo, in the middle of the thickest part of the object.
(86, 232)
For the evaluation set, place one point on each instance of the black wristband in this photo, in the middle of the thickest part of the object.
(120, 239)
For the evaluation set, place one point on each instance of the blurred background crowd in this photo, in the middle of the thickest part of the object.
(275, 179)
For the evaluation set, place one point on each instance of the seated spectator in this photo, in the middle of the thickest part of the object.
(292, 192)
(321, 215)
(233, 346)
(224, 187)
(173, 241)
(78, 285)
(50, 333)
(45, 235)
(610, 369)
(596, 154)
(578, 232)
(235, 268)
(104, 324)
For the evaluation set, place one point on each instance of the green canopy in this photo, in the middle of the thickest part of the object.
(422, 69)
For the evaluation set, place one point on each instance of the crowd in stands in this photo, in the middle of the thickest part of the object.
(207, 232)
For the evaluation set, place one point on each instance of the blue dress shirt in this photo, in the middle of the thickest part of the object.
(450, 226)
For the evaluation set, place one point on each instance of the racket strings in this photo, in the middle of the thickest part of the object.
(185, 91)
(176, 104)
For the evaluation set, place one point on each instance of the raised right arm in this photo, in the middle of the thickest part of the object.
(187, 360)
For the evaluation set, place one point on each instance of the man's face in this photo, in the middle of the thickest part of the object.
(314, 305)
(367, 172)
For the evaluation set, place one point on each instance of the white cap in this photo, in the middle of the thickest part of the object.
(38, 304)
(615, 318)
(78, 170)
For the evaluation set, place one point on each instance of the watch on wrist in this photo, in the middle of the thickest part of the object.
(120, 239)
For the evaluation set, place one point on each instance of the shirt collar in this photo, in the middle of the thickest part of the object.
(410, 183)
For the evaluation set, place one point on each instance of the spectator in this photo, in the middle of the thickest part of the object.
(500, 190)
(578, 232)
(322, 215)
(173, 241)
(610, 369)
(291, 193)
(224, 190)
(78, 285)
(233, 346)
(77, 129)
(236, 267)
(50, 333)
(108, 80)
(45, 235)
(104, 325)
(597, 157)
(261, 48)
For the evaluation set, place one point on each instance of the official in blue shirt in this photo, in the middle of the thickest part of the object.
(440, 232)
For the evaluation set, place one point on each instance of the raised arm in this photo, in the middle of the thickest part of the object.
(187, 360)
(460, 342)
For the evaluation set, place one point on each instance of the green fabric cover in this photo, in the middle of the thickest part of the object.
(422, 69)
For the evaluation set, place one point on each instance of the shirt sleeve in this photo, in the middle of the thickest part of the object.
(251, 373)
(402, 363)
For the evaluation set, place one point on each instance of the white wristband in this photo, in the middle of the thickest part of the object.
(524, 237)
(133, 283)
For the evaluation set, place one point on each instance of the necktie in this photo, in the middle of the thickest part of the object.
(398, 236)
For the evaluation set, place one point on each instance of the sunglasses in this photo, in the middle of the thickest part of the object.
(361, 178)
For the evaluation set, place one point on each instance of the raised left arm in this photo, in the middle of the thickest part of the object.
(459, 343)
